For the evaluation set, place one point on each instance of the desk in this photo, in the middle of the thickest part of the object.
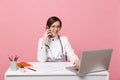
(53, 73)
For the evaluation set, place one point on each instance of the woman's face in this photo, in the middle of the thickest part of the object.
(55, 28)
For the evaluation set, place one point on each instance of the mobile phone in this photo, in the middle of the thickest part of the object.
(50, 35)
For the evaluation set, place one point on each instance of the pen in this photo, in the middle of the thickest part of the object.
(9, 58)
(16, 58)
(31, 69)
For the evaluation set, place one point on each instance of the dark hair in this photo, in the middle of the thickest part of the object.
(51, 20)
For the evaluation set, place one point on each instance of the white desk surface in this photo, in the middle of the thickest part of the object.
(53, 71)
(50, 68)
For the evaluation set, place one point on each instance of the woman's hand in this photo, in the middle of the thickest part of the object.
(45, 36)
(76, 63)
(47, 33)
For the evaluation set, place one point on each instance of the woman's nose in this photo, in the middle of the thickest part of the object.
(56, 28)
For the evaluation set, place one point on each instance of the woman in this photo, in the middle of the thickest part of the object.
(53, 47)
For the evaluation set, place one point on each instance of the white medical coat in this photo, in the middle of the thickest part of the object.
(53, 50)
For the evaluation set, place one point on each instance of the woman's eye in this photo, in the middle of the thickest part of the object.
(58, 26)
(53, 26)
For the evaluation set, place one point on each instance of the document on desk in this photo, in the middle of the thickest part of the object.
(49, 67)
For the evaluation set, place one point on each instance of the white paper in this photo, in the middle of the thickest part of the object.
(48, 68)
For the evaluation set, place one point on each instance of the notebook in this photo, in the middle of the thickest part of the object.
(25, 64)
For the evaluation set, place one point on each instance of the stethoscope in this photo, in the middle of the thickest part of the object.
(63, 57)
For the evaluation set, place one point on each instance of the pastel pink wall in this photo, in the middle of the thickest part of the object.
(89, 24)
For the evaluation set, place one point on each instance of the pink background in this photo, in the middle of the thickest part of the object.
(89, 24)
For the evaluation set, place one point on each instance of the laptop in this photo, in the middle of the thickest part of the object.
(94, 61)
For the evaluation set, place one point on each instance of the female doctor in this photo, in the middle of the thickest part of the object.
(53, 47)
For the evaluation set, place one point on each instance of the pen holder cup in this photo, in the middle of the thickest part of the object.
(13, 65)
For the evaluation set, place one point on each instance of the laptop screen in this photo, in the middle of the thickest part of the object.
(95, 60)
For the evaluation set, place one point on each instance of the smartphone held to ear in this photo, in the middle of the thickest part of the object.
(49, 33)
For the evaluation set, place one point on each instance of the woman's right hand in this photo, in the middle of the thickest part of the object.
(47, 33)
(45, 36)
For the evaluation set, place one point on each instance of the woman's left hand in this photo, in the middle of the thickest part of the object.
(76, 63)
